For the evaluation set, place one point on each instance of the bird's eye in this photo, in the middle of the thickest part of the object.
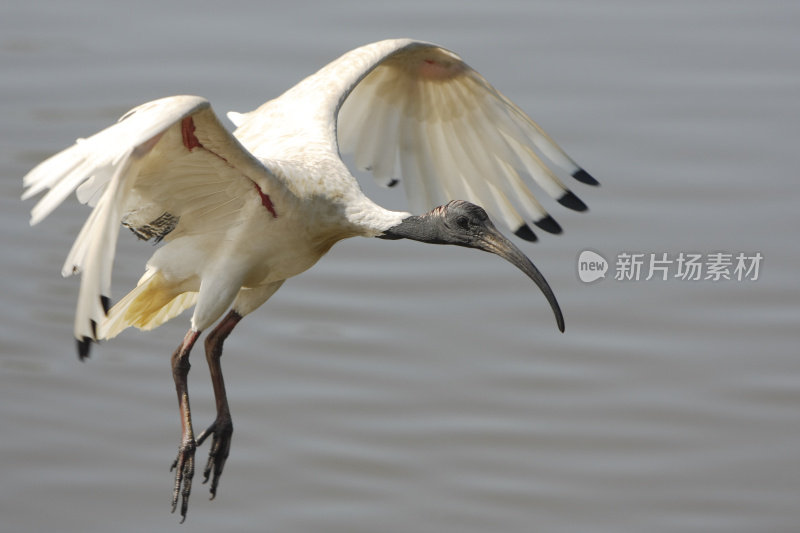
(462, 222)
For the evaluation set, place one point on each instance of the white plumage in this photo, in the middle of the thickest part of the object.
(241, 212)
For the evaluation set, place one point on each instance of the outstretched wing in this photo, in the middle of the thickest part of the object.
(423, 114)
(167, 168)
(413, 110)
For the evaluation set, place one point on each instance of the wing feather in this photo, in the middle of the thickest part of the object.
(409, 163)
(168, 156)
(453, 134)
(384, 166)
(503, 162)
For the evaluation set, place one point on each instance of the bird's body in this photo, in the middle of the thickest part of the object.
(241, 212)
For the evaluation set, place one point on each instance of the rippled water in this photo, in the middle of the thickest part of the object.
(401, 387)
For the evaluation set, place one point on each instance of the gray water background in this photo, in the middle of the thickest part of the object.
(398, 387)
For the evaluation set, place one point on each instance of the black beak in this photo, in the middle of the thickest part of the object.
(494, 242)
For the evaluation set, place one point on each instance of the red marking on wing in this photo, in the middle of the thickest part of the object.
(190, 140)
(266, 201)
(432, 69)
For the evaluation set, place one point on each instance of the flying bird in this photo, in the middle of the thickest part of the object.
(241, 212)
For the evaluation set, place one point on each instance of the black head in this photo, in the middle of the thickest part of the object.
(458, 222)
(464, 224)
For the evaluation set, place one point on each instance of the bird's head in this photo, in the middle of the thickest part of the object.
(465, 224)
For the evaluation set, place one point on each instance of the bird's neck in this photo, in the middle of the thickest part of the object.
(332, 195)
(416, 228)
(372, 219)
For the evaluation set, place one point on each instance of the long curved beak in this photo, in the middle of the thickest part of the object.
(494, 242)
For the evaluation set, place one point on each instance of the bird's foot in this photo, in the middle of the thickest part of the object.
(221, 429)
(184, 472)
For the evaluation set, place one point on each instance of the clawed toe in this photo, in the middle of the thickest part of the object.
(221, 429)
(184, 472)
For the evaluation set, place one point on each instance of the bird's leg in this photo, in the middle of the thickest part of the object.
(184, 463)
(222, 427)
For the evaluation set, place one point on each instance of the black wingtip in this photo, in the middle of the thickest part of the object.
(573, 202)
(105, 301)
(584, 177)
(393, 183)
(84, 347)
(549, 225)
(525, 232)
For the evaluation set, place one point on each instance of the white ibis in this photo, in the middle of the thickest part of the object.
(242, 212)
